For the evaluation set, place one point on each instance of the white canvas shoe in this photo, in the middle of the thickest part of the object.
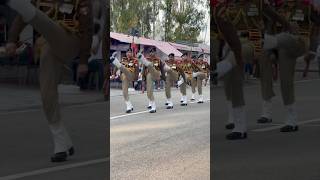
(184, 101)
(200, 100)
(153, 107)
(129, 107)
(193, 97)
(170, 104)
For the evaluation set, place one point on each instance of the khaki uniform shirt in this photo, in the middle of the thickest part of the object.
(75, 17)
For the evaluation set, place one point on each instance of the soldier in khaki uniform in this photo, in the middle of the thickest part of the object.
(232, 81)
(129, 68)
(288, 46)
(173, 70)
(230, 68)
(199, 74)
(188, 67)
(182, 83)
(152, 71)
(67, 28)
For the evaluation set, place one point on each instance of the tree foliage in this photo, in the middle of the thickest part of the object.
(181, 20)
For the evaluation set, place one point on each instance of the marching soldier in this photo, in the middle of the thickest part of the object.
(182, 83)
(152, 71)
(67, 28)
(230, 68)
(200, 73)
(247, 53)
(288, 46)
(189, 68)
(173, 70)
(129, 68)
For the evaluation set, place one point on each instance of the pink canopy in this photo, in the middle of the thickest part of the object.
(165, 47)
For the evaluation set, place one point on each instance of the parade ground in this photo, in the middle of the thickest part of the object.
(170, 144)
(26, 144)
(268, 153)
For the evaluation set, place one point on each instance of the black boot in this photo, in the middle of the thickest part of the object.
(264, 120)
(169, 107)
(62, 156)
(236, 136)
(59, 157)
(230, 126)
(129, 110)
(289, 128)
(184, 104)
(71, 151)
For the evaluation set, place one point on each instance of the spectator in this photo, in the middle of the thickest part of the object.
(248, 54)
(95, 63)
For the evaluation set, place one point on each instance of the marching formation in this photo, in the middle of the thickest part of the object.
(281, 34)
(182, 72)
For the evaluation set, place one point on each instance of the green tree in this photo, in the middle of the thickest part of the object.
(168, 7)
(123, 17)
(189, 20)
(128, 14)
(182, 20)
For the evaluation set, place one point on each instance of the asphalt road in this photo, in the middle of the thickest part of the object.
(168, 145)
(268, 154)
(26, 144)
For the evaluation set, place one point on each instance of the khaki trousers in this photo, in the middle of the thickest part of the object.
(126, 77)
(197, 82)
(289, 49)
(60, 48)
(189, 80)
(233, 86)
(286, 72)
(172, 76)
(152, 75)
